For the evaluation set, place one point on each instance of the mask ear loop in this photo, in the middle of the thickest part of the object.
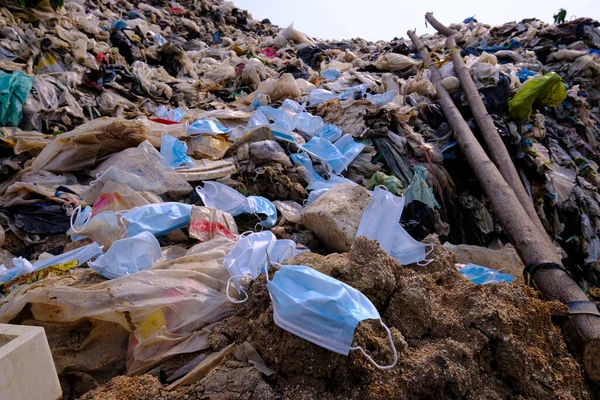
(121, 215)
(77, 210)
(381, 367)
(426, 262)
(242, 290)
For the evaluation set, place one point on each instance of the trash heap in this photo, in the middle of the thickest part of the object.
(177, 177)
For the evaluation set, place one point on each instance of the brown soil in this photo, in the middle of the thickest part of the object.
(454, 340)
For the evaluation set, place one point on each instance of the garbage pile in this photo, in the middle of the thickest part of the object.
(176, 178)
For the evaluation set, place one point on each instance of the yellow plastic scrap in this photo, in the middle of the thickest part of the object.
(37, 275)
(546, 90)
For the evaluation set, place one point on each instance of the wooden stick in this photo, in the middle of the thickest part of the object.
(495, 145)
(582, 331)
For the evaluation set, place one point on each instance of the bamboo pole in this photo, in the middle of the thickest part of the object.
(582, 331)
(496, 148)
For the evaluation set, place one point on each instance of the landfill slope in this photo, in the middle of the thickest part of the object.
(227, 128)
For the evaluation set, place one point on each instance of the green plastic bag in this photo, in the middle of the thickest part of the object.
(546, 90)
(418, 189)
(14, 89)
(392, 183)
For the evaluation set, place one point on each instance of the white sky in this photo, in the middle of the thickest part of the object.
(386, 19)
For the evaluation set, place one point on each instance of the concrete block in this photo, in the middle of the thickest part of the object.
(27, 370)
(334, 217)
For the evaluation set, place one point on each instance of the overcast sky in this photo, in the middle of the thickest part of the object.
(386, 19)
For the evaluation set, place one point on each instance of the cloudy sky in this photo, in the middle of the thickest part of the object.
(386, 19)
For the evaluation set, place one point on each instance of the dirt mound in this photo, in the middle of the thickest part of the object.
(455, 339)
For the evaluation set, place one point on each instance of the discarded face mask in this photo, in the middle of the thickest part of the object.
(482, 276)
(206, 126)
(321, 309)
(81, 255)
(323, 150)
(281, 127)
(248, 259)
(225, 198)
(127, 256)
(81, 221)
(338, 155)
(21, 267)
(381, 221)
(173, 151)
(158, 219)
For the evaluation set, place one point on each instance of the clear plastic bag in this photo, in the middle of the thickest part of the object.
(141, 168)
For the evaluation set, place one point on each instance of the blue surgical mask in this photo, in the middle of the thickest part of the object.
(321, 309)
(382, 99)
(227, 199)
(381, 222)
(158, 219)
(330, 132)
(20, 267)
(409, 251)
(247, 259)
(304, 160)
(222, 197)
(173, 151)
(318, 96)
(308, 123)
(206, 126)
(128, 256)
(349, 148)
(282, 126)
(81, 255)
(260, 205)
(81, 220)
(325, 151)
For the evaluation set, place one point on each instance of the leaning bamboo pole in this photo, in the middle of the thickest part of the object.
(582, 329)
(496, 148)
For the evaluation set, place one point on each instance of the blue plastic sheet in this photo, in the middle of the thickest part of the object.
(482, 276)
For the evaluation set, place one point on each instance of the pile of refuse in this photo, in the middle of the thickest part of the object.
(215, 206)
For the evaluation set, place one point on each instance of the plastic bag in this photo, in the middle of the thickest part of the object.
(393, 184)
(128, 256)
(482, 276)
(484, 74)
(117, 197)
(419, 190)
(141, 168)
(268, 151)
(165, 319)
(213, 147)
(206, 223)
(14, 89)
(546, 90)
(173, 151)
(396, 62)
(104, 228)
(83, 147)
